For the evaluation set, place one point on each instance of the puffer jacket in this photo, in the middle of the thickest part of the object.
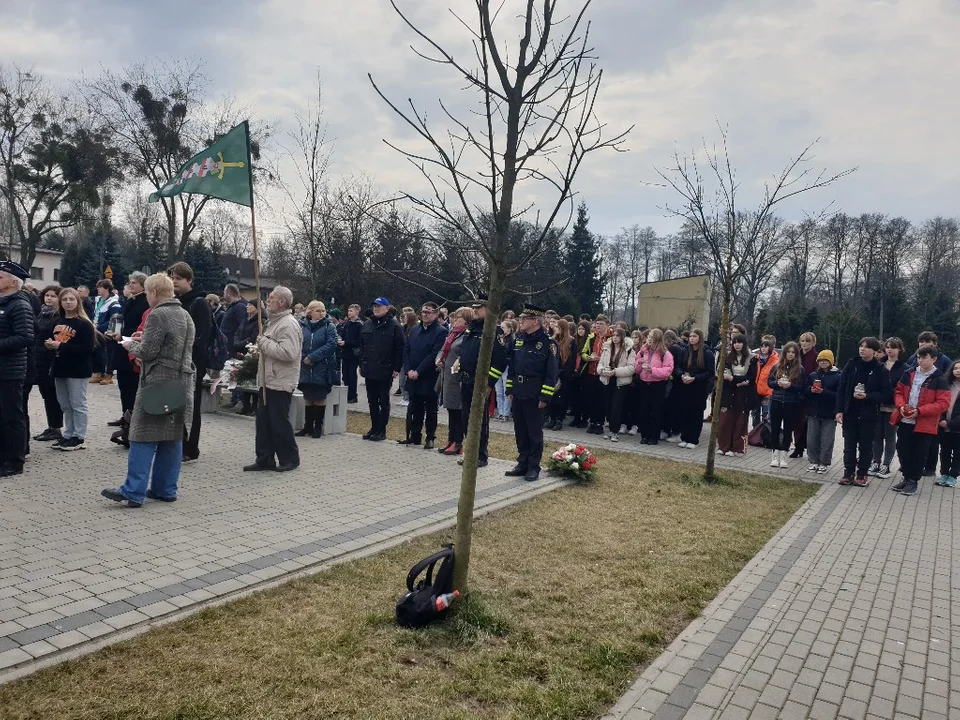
(320, 346)
(17, 334)
(824, 404)
(43, 357)
(764, 366)
(933, 403)
(624, 369)
(661, 368)
(790, 394)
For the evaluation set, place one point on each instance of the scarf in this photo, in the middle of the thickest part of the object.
(451, 336)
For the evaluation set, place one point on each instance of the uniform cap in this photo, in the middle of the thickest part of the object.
(8, 266)
(532, 311)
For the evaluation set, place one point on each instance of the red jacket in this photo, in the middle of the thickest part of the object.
(933, 403)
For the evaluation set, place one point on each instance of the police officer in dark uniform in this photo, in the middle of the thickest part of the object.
(469, 359)
(533, 366)
(17, 327)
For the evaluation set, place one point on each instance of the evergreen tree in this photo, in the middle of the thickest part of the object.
(209, 274)
(586, 282)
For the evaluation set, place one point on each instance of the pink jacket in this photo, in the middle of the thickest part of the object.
(660, 368)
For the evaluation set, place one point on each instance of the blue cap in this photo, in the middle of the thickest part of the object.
(8, 266)
(381, 301)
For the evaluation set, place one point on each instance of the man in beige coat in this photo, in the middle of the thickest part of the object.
(279, 346)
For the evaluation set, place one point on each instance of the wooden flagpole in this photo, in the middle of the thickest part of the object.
(256, 267)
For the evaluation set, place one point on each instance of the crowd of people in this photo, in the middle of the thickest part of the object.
(161, 333)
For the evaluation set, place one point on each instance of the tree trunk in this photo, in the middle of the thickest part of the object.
(709, 474)
(471, 445)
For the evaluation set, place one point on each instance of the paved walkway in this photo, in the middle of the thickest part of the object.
(851, 611)
(75, 567)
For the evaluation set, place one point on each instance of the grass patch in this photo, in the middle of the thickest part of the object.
(575, 591)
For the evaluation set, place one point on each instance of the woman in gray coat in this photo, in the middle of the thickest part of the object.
(448, 360)
(164, 350)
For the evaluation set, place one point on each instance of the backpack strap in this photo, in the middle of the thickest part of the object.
(428, 564)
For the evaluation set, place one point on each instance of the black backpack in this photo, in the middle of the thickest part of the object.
(418, 607)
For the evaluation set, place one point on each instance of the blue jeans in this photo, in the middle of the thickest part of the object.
(503, 400)
(72, 396)
(166, 458)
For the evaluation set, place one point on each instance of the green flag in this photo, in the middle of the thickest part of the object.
(221, 171)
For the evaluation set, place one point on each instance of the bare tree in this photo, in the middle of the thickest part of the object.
(161, 116)
(534, 125)
(56, 165)
(757, 268)
(309, 217)
(709, 200)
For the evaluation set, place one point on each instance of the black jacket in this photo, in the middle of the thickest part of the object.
(349, 331)
(233, 319)
(824, 404)
(17, 332)
(195, 303)
(420, 354)
(730, 389)
(43, 358)
(896, 372)
(381, 348)
(876, 380)
(470, 355)
(246, 333)
(702, 378)
(132, 313)
(32, 349)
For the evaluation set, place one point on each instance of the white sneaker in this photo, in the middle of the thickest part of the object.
(729, 453)
(822, 469)
(668, 438)
(813, 468)
(775, 460)
(404, 403)
(632, 431)
(692, 446)
(681, 444)
(623, 429)
(783, 460)
(664, 436)
(614, 438)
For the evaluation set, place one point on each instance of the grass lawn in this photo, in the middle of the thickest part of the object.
(577, 590)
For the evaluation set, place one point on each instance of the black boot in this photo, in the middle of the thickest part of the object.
(307, 422)
(320, 412)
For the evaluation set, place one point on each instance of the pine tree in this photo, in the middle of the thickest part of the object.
(583, 263)
(209, 274)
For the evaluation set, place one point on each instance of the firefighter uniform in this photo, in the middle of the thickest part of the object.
(533, 368)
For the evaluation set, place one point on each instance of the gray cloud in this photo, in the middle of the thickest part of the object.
(868, 76)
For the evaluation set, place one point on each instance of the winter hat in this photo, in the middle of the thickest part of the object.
(825, 355)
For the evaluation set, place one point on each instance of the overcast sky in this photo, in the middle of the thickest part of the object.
(874, 79)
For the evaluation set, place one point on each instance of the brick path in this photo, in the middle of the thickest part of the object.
(75, 567)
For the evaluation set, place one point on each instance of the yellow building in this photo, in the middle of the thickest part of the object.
(678, 303)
